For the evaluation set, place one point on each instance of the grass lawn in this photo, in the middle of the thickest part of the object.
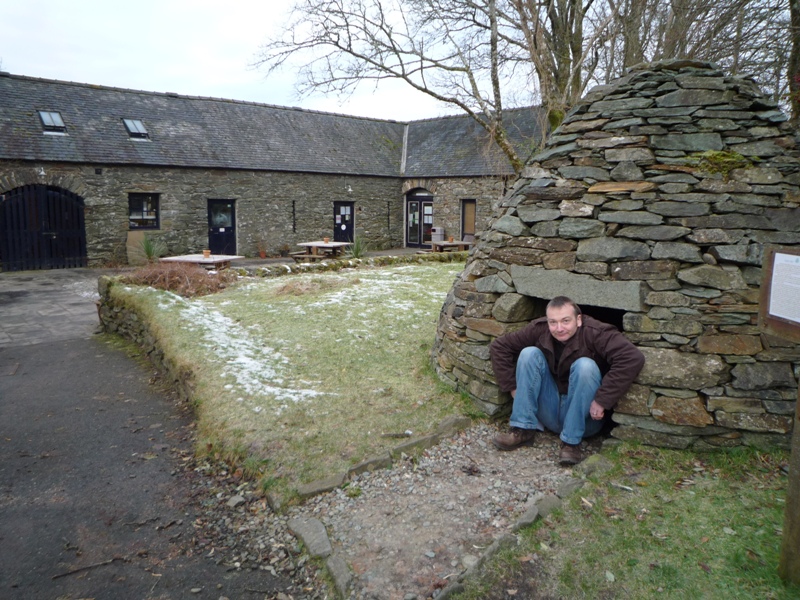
(660, 524)
(301, 377)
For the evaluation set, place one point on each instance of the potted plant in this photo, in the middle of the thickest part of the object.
(261, 245)
(283, 249)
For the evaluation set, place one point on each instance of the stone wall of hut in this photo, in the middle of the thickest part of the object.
(651, 206)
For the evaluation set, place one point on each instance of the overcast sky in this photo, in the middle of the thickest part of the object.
(193, 47)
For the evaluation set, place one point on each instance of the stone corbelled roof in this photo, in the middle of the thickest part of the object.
(653, 204)
(188, 131)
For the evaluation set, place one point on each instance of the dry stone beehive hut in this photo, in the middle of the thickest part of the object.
(650, 206)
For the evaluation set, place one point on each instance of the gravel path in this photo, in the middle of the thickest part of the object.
(405, 532)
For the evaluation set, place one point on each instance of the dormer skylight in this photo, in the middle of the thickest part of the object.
(136, 129)
(52, 121)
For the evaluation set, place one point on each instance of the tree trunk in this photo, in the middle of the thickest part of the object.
(789, 565)
(793, 69)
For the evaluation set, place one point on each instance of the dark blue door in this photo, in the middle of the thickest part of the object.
(343, 222)
(222, 226)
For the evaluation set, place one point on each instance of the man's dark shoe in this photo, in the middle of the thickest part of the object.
(515, 438)
(569, 455)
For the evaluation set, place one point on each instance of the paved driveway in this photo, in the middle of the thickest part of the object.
(93, 503)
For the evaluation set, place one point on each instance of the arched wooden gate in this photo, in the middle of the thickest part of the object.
(41, 227)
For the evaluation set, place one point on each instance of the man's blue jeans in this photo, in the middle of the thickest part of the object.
(537, 403)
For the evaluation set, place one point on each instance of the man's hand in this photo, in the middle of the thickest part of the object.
(596, 411)
(513, 393)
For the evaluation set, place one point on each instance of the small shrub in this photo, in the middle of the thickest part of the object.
(152, 248)
(181, 278)
(358, 248)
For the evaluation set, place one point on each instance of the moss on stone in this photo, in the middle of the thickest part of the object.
(721, 161)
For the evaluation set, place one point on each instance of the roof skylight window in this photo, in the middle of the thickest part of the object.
(52, 121)
(136, 128)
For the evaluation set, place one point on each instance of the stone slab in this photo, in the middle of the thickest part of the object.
(584, 289)
(313, 535)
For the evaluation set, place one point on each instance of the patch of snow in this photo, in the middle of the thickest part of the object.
(256, 369)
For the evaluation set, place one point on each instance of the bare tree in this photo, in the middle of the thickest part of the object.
(793, 67)
(742, 36)
(478, 54)
(457, 51)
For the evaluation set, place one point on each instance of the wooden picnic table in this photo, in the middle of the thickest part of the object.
(214, 261)
(445, 246)
(319, 250)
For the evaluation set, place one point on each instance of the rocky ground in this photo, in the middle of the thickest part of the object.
(405, 532)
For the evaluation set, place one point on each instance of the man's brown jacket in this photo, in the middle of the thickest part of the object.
(618, 359)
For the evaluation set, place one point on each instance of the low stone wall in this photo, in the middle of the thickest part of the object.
(652, 202)
(125, 321)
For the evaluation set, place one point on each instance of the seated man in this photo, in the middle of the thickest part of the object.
(564, 372)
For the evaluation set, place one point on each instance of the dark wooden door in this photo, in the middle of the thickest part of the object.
(222, 226)
(343, 222)
(42, 227)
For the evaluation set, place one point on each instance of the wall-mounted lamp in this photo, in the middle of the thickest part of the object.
(40, 172)
(349, 189)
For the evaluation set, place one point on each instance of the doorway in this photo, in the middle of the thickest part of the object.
(419, 218)
(222, 226)
(468, 220)
(42, 227)
(343, 222)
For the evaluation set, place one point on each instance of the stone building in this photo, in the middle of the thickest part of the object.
(651, 206)
(86, 170)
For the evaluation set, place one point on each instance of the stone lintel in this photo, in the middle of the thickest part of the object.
(583, 289)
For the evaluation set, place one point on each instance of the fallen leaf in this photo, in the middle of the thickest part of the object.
(752, 555)
(526, 558)
(729, 531)
(705, 567)
(704, 540)
(511, 592)
(610, 577)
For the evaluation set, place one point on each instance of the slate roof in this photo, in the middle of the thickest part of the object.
(188, 131)
(458, 147)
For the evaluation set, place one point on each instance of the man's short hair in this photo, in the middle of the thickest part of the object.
(560, 301)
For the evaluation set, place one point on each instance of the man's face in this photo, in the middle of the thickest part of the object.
(563, 322)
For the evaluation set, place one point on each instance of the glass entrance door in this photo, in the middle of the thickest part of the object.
(419, 220)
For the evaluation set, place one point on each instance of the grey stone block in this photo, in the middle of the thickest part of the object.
(340, 573)
(584, 289)
(321, 486)
(548, 504)
(372, 464)
(414, 445)
(313, 535)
